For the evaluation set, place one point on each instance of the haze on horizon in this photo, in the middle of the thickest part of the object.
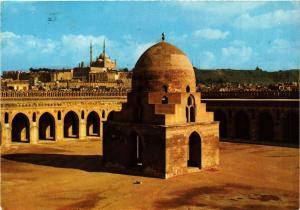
(238, 35)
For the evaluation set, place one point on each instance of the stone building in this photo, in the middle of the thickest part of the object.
(163, 130)
(103, 69)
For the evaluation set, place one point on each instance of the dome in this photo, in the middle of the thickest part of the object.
(103, 55)
(163, 66)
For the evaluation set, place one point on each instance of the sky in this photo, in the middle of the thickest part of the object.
(213, 34)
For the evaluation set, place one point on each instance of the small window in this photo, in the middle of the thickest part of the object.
(59, 115)
(103, 114)
(188, 89)
(6, 117)
(82, 114)
(164, 100)
(34, 117)
(165, 88)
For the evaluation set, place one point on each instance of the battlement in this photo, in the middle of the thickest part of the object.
(251, 94)
(51, 95)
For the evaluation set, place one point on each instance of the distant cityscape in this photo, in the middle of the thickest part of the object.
(102, 74)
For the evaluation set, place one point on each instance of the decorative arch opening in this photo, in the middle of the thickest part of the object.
(265, 127)
(164, 100)
(103, 114)
(93, 124)
(291, 128)
(188, 89)
(20, 131)
(165, 88)
(190, 109)
(59, 115)
(82, 114)
(222, 118)
(194, 150)
(34, 117)
(135, 149)
(110, 116)
(47, 127)
(6, 117)
(242, 125)
(71, 125)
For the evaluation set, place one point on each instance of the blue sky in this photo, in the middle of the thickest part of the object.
(239, 34)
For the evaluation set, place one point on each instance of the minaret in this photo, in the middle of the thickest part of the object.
(104, 57)
(91, 53)
(104, 47)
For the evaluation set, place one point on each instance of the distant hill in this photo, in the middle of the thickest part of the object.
(257, 76)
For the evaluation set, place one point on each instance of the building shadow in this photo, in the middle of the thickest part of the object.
(89, 163)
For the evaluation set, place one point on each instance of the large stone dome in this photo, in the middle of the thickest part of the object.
(163, 66)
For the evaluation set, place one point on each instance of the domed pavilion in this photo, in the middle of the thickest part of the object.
(163, 130)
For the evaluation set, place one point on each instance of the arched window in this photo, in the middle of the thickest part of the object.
(59, 115)
(165, 88)
(190, 109)
(34, 117)
(188, 89)
(6, 117)
(164, 100)
(103, 114)
(82, 114)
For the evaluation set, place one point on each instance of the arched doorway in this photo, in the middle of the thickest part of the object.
(190, 109)
(194, 150)
(265, 127)
(291, 128)
(71, 125)
(135, 149)
(242, 125)
(93, 124)
(20, 131)
(46, 127)
(221, 117)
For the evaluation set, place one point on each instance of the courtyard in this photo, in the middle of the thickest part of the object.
(70, 175)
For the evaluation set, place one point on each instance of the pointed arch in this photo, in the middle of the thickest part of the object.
(222, 118)
(291, 127)
(265, 127)
(93, 124)
(194, 156)
(20, 131)
(242, 125)
(47, 127)
(190, 109)
(71, 125)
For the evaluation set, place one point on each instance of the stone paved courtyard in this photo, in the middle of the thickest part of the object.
(69, 175)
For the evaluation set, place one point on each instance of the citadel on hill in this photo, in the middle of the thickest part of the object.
(101, 73)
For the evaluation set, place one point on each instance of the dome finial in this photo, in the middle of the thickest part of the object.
(163, 36)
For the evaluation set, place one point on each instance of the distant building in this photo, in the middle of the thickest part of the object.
(103, 69)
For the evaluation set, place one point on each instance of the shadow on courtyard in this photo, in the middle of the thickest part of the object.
(90, 163)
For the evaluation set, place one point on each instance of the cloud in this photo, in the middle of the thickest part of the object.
(210, 34)
(236, 55)
(67, 51)
(282, 46)
(268, 20)
(221, 8)
(207, 60)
